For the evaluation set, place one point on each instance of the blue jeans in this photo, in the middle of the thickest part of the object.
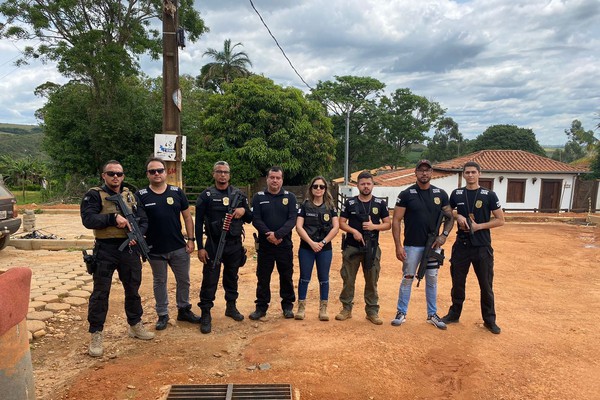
(409, 270)
(307, 259)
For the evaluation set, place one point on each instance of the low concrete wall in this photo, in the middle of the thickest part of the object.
(16, 371)
(52, 244)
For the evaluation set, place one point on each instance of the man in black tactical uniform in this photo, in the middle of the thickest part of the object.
(110, 230)
(274, 213)
(474, 206)
(211, 207)
(362, 218)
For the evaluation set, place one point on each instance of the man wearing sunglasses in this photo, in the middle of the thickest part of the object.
(212, 207)
(110, 230)
(165, 205)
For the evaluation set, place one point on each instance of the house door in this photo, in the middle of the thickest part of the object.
(550, 195)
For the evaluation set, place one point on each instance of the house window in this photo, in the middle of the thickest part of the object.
(515, 191)
(486, 183)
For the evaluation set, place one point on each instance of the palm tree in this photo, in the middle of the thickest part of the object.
(227, 66)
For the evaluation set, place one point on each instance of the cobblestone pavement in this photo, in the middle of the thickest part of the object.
(59, 280)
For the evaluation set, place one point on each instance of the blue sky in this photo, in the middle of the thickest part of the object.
(531, 63)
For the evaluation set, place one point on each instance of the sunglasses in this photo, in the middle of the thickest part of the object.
(322, 187)
(155, 171)
(113, 173)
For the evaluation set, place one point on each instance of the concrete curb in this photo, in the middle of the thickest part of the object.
(49, 244)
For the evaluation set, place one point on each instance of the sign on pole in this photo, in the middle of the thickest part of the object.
(164, 147)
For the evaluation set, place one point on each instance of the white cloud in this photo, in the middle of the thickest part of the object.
(533, 63)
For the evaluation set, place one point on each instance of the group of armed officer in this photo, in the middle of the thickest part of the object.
(155, 213)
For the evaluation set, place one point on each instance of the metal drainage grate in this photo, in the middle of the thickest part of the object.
(231, 392)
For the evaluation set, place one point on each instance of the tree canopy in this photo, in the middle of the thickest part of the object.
(447, 141)
(507, 137)
(96, 42)
(227, 65)
(259, 124)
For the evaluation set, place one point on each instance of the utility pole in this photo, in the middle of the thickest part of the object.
(171, 90)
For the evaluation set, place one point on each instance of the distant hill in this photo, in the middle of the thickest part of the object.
(21, 140)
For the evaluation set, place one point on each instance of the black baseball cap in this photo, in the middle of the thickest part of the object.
(424, 162)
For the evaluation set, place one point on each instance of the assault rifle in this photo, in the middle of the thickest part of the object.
(370, 250)
(226, 224)
(135, 233)
(430, 253)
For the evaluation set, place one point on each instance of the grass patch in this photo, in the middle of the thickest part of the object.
(31, 196)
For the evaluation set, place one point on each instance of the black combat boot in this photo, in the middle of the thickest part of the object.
(186, 314)
(205, 322)
(232, 311)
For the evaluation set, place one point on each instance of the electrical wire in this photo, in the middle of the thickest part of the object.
(278, 45)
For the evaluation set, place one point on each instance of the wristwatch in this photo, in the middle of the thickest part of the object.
(192, 239)
(445, 233)
(324, 241)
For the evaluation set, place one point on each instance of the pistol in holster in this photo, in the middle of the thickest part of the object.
(90, 262)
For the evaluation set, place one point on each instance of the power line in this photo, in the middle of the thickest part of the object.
(280, 48)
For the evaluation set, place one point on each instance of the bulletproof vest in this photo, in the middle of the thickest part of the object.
(108, 207)
(219, 205)
(317, 221)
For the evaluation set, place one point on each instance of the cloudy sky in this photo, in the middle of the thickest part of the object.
(532, 63)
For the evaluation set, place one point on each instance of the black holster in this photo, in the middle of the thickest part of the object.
(91, 263)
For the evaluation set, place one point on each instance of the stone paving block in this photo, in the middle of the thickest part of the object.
(48, 298)
(37, 305)
(87, 278)
(70, 276)
(57, 307)
(58, 292)
(35, 325)
(39, 334)
(40, 315)
(36, 293)
(75, 301)
(62, 280)
(89, 288)
(50, 285)
(84, 294)
(78, 282)
(69, 286)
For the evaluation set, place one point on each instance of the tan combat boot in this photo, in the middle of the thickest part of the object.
(323, 311)
(301, 309)
(138, 331)
(95, 349)
(344, 314)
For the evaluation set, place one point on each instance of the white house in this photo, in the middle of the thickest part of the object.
(523, 181)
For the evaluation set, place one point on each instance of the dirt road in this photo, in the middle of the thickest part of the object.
(547, 286)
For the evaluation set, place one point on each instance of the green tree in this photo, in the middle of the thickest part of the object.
(95, 42)
(577, 134)
(356, 98)
(227, 65)
(81, 134)
(23, 171)
(447, 141)
(405, 118)
(255, 124)
(507, 137)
